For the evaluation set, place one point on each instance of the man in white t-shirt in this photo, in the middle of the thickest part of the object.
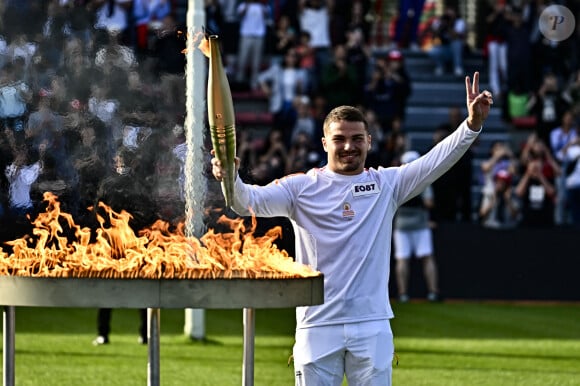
(342, 217)
(412, 236)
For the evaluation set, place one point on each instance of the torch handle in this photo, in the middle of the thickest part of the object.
(224, 145)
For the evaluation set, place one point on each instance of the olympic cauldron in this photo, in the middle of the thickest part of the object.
(156, 269)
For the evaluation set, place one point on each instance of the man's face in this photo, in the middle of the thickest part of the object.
(347, 145)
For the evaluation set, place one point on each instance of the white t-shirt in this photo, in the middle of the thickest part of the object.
(254, 21)
(343, 226)
(11, 102)
(21, 180)
(317, 23)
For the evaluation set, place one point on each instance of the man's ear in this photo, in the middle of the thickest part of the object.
(324, 144)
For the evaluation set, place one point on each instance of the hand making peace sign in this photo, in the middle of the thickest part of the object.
(478, 104)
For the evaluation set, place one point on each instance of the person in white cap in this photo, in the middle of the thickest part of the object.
(412, 236)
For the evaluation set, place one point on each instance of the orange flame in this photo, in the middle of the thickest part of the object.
(158, 252)
(203, 44)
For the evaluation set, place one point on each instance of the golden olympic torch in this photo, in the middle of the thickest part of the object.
(220, 109)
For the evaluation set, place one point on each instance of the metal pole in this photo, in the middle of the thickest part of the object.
(195, 323)
(195, 185)
(8, 345)
(248, 360)
(153, 372)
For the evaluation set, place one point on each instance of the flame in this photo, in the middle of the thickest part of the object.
(61, 248)
(203, 44)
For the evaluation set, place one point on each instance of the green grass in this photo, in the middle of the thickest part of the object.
(487, 344)
(449, 344)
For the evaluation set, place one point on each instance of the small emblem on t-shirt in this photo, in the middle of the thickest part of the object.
(364, 189)
(347, 211)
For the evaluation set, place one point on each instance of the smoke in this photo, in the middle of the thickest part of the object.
(101, 106)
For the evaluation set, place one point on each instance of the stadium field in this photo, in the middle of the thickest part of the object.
(443, 344)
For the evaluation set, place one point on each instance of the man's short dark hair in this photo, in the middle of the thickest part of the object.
(344, 113)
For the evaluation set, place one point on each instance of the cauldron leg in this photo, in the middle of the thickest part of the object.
(153, 376)
(249, 332)
(8, 345)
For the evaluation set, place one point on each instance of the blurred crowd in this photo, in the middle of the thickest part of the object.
(92, 104)
(534, 80)
(535, 182)
(92, 95)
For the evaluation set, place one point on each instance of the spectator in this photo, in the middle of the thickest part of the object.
(214, 17)
(572, 185)
(536, 188)
(170, 64)
(255, 17)
(396, 143)
(146, 16)
(499, 207)
(21, 174)
(340, 16)
(338, 82)
(272, 159)
(562, 136)
(115, 55)
(77, 64)
(561, 139)
(412, 236)
(407, 24)
(359, 20)
(248, 147)
(179, 151)
(302, 155)
(55, 32)
(501, 158)
(548, 106)
(305, 122)
(497, 20)
(15, 94)
(46, 131)
(282, 83)
(44, 123)
(377, 134)
(111, 17)
(398, 71)
(314, 18)
(15, 12)
(307, 60)
(450, 32)
(553, 56)
(231, 27)
(80, 16)
(519, 54)
(387, 91)
(22, 48)
(104, 107)
(284, 38)
(535, 148)
(137, 102)
(88, 159)
(452, 191)
(3, 51)
(572, 92)
(358, 57)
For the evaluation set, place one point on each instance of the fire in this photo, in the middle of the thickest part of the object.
(61, 248)
(203, 45)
